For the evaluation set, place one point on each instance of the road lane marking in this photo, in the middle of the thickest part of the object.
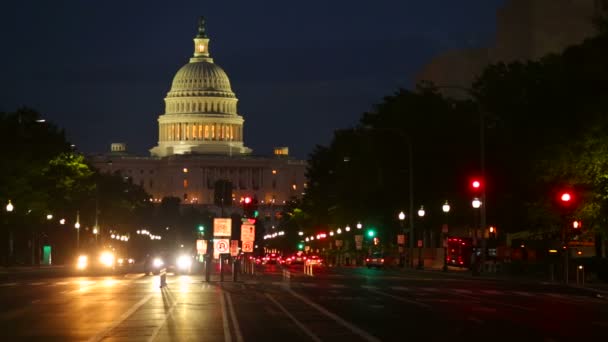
(235, 322)
(400, 288)
(491, 292)
(225, 324)
(462, 291)
(308, 284)
(36, 284)
(35, 301)
(167, 315)
(401, 299)
(8, 284)
(429, 289)
(522, 293)
(337, 286)
(474, 319)
(513, 306)
(362, 333)
(100, 336)
(295, 320)
(62, 283)
(369, 287)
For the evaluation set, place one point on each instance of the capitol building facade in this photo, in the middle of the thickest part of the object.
(201, 143)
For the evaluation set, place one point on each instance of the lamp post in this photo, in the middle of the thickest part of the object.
(446, 209)
(9, 209)
(421, 214)
(401, 217)
(477, 204)
(77, 226)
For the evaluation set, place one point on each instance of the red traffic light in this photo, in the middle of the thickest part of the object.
(476, 184)
(577, 224)
(565, 197)
(247, 200)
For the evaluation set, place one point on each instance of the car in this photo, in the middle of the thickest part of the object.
(296, 259)
(271, 259)
(153, 264)
(183, 264)
(314, 260)
(96, 261)
(375, 260)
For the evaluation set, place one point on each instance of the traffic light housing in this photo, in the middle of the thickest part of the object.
(250, 207)
(371, 233)
(300, 246)
(201, 228)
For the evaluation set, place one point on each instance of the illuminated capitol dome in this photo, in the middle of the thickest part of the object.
(200, 109)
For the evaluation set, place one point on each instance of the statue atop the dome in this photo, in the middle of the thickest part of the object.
(201, 28)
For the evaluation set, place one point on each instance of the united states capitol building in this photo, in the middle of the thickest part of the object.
(201, 142)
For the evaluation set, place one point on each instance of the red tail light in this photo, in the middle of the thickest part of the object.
(382, 260)
(367, 259)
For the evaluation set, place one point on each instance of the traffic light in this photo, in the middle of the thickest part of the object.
(249, 207)
(492, 232)
(300, 246)
(475, 184)
(376, 241)
(577, 224)
(566, 198)
(371, 233)
(201, 228)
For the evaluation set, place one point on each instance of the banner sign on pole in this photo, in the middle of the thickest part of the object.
(339, 243)
(247, 246)
(234, 247)
(359, 245)
(201, 246)
(222, 227)
(401, 239)
(247, 232)
(359, 238)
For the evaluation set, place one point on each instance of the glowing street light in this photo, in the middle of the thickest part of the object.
(446, 207)
(421, 211)
(359, 225)
(62, 221)
(476, 203)
(49, 217)
(9, 206)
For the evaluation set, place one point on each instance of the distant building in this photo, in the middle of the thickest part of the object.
(526, 30)
(201, 142)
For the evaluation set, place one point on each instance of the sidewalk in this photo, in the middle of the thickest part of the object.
(596, 288)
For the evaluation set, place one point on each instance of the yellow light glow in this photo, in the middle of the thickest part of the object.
(107, 259)
(201, 48)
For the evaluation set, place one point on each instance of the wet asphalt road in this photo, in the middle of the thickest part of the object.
(334, 305)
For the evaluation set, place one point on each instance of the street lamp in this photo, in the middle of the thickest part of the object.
(347, 228)
(77, 226)
(359, 225)
(401, 217)
(476, 203)
(421, 214)
(49, 216)
(9, 206)
(446, 209)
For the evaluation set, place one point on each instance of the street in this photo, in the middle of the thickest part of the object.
(336, 304)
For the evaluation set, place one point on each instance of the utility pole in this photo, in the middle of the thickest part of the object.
(411, 208)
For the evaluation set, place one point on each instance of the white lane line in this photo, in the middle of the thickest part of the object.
(401, 299)
(62, 283)
(8, 284)
(522, 293)
(369, 287)
(308, 284)
(339, 286)
(235, 322)
(100, 336)
(35, 301)
(362, 333)
(400, 288)
(167, 315)
(227, 335)
(491, 292)
(462, 291)
(429, 289)
(36, 284)
(295, 320)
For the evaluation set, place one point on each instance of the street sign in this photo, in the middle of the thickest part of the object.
(339, 243)
(222, 227)
(234, 247)
(359, 245)
(247, 232)
(359, 238)
(201, 246)
(247, 246)
(401, 239)
(220, 246)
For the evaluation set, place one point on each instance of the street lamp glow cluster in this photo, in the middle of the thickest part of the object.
(273, 235)
(145, 232)
(119, 237)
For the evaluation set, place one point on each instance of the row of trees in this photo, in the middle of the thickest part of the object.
(545, 125)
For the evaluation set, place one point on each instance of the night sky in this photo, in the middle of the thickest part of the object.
(301, 69)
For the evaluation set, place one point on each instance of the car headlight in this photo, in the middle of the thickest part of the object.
(82, 262)
(107, 259)
(120, 261)
(184, 262)
(131, 261)
(157, 262)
